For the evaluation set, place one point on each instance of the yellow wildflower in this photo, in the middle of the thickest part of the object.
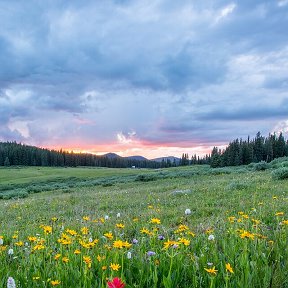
(229, 268)
(77, 251)
(87, 260)
(108, 235)
(57, 256)
(65, 259)
(155, 221)
(120, 225)
(86, 218)
(55, 282)
(184, 241)
(115, 267)
(47, 229)
(32, 238)
(279, 213)
(19, 244)
(211, 271)
(84, 230)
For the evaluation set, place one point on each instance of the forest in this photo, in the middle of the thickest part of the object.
(238, 152)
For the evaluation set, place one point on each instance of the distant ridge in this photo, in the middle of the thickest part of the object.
(171, 158)
(114, 155)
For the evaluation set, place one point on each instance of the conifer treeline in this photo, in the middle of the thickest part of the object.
(243, 152)
(12, 153)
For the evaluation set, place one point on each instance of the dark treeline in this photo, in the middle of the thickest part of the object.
(243, 152)
(185, 161)
(12, 153)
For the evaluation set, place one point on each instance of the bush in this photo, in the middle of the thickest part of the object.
(237, 185)
(261, 166)
(280, 173)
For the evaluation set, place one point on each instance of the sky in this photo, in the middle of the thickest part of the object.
(152, 78)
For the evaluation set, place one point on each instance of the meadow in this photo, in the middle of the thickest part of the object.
(179, 227)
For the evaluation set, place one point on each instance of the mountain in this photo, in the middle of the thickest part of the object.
(137, 157)
(111, 155)
(171, 158)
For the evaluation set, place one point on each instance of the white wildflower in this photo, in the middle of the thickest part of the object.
(1, 241)
(129, 255)
(11, 283)
(187, 211)
(211, 237)
(106, 217)
(10, 251)
(118, 215)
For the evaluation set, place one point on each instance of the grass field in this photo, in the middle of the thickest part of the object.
(133, 226)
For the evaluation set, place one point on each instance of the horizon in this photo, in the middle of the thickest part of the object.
(139, 78)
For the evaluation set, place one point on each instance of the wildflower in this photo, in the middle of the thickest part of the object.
(187, 211)
(120, 225)
(161, 237)
(47, 229)
(11, 283)
(211, 271)
(246, 234)
(57, 256)
(10, 251)
(32, 238)
(170, 243)
(256, 222)
(106, 217)
(109, 235)
(279, 213)
(71, 232)
(229, 268)
(76, 252)
(285, 222)
(104, 268)
(118, 215)
(86, 218)
(231, 219)
(84, 230)
(184, 241)
(1, 241)
(87, 260)
(116, 283)
(151, 253)
(134, 241)
(118, 244)
(55, 282)
(54, 219)
(114, 267)
(155, 221)
(65, 259)
(211, 237)
(129, 255)
(19, 244)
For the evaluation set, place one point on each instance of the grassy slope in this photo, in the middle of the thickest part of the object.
(21, 175)
(212, 198)
(209, 197)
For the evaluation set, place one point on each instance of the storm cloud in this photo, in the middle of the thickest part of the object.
(132, 75)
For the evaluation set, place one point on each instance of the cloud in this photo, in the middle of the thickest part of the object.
(177, 73)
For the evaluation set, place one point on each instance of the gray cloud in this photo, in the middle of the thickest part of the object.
(173, 72)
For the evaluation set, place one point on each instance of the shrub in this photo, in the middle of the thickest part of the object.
(280, 173)
(261, 166)
(237, 185)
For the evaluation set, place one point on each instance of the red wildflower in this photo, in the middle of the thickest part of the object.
(116, 283)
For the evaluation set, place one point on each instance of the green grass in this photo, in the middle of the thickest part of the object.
(22, 175)
(212, 195)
